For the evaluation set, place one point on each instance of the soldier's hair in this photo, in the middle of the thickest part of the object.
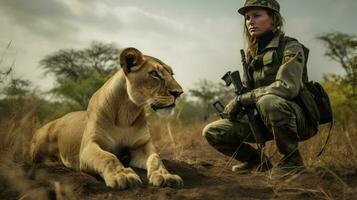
(251, 42)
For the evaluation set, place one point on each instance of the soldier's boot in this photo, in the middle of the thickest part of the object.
(244, 166)
(252, 166)
(287, 143)
(292, 162)
(250, 160)
(289, 165)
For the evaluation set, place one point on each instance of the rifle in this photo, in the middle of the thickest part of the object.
(219, 108)
(255, 123)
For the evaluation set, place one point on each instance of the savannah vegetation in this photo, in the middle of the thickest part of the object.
(78, 73)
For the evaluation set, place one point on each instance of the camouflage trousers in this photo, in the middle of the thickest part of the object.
(285, 123)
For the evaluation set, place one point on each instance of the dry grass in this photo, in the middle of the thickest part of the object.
(180, 141)
(16, 134)
(177, 138)
(330, 170)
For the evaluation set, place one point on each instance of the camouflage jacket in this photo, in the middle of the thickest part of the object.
(273, 75)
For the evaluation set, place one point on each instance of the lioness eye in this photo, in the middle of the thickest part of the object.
(155, 75)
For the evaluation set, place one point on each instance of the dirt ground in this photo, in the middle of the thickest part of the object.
(208, 177)
(206, 173)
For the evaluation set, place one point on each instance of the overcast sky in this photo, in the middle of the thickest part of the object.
(198, 38)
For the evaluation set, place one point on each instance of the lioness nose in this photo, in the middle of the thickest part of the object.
(175, 93)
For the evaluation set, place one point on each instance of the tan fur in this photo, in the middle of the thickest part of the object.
(115, 117)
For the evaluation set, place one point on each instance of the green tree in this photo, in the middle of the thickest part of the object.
(79, 73)
(18, 96)
(77, 93)
(17, 88)
(13, 95)
(342, 48)
(188, 110)
(344, 108)
(206, 93)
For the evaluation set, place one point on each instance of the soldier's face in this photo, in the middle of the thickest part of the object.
(258, 21)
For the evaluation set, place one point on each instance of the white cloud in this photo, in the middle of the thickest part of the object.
(196, 46)
(195, 51)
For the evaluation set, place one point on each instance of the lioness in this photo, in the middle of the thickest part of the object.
(115, 120)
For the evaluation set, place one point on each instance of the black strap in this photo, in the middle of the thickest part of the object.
(327, 139)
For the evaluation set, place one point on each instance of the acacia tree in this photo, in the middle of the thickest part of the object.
(342, 48)
(14, 93)
(17, 88)
(80, 72)
(206, 92)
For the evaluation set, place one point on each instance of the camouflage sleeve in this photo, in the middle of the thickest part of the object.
(230, 105)
(288, 80)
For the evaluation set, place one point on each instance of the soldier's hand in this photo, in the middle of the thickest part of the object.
(237, 110)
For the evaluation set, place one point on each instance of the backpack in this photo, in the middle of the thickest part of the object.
(312, 98)
(319, 109)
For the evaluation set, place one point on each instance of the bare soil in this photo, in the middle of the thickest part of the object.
(207, 176)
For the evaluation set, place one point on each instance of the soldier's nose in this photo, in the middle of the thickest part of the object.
(175, 93)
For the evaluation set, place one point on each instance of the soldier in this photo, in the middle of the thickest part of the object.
(277, 65)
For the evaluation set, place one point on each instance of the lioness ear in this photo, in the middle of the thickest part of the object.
(131, 59)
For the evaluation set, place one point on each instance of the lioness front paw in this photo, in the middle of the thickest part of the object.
(165, 179)
(122, 179)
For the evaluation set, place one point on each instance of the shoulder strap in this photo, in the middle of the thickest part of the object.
(283, 41)
(282, 45)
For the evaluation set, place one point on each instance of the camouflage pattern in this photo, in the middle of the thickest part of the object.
(269, 4)
(283, 78)
(285, 121)
(277, 82)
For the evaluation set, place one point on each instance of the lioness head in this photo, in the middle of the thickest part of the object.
(149, 80)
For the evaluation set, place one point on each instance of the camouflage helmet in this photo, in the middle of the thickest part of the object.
(269, 4)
